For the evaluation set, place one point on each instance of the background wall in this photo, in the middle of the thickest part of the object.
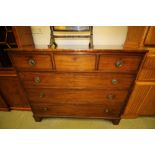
(103, 35)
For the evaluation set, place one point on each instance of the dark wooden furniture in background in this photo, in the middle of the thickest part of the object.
(14, 37)
(139, 37)
(11, 91)
(77, 83)
(142, 99)
(3, 105)
(150, 37)
(23, 36)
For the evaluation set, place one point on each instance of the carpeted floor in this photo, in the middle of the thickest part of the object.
(24, 119)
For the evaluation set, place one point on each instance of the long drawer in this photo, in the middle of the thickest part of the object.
(76, 80)
(76, 111)
(76, 96)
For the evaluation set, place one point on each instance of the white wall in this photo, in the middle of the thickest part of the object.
(103, 35)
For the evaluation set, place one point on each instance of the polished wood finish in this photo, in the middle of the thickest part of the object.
(147, 72)
(3, 105)
(32, 62)
(142, 100)
(76, 96)
(93, 111)
(74, 62)
(129, 63)
(77, 83)
(12, 92)
(135, 37)
(10, 88)
(23, 36)
(139, 37)
(150, 38)
(149, 61)
(77, 80)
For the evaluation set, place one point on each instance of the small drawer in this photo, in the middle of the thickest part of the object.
(77, 80)
(119, 63)
(32, 62)
(76, 96)
(74, 62)
(75, 110)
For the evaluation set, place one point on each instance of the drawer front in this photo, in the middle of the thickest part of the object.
(74, 62)
(76, 111)
(32, 62)
(76, 80)
(118, 63)
(76, 96)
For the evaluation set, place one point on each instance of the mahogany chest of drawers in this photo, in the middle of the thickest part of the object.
(77, 83)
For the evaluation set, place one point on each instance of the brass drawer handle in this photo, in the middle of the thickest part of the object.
(106, 110)
(42, 94)
(119, 63)
(110, 97)
(45, 109)
(37, 79)
(31, 62)
(114, 81)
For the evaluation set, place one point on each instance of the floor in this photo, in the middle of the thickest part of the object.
(24, 119)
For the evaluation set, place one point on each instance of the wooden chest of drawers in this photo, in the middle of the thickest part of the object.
(77, 83)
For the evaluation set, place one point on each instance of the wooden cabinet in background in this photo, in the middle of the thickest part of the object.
(3, 105)
(147, 72)
(23, 36)
(150, 37)
(140, 37)
(13, 37)
(12, 91)
(142, 100)
(135, 37)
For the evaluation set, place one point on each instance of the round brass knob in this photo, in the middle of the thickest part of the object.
(42, 94)
(114, 81)
(37, 79)
(119, 63)
(106, 110)
(31, 62)
(45, 109)
(110, 97)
